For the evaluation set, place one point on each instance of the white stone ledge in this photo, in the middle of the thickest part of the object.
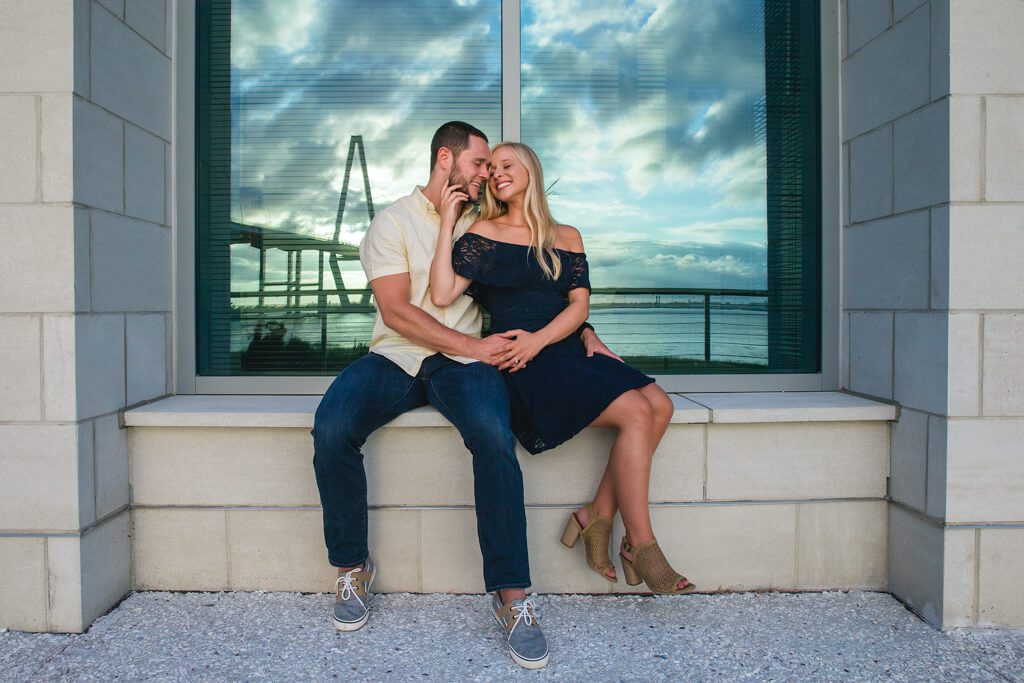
(297, 411)
(792, 406)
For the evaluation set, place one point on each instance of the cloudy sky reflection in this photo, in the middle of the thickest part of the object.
(649, 114)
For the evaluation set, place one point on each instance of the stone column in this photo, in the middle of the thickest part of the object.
(85, 292)
(979, 249)
(932, 239)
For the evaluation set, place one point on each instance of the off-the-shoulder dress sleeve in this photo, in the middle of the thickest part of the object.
(579, 272)
(473, 257)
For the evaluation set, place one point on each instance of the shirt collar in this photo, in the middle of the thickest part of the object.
(427, 207)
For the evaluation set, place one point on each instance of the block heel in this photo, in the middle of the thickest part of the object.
(632, 578)
(572, 532)
(596, 537)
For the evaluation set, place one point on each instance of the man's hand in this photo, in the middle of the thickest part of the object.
(593, 345)
(491, 348)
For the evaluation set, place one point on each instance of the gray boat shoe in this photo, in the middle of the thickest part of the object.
(526, 642)
(352, 603)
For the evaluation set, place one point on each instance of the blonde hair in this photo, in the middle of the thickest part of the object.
(543, 228)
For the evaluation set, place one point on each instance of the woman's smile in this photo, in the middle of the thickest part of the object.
(508, 175)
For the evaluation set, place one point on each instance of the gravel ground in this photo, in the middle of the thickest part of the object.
(288, 636)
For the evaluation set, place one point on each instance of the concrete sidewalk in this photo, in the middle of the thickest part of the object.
(287, 636)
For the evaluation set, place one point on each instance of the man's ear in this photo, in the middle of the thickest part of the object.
(444, 158)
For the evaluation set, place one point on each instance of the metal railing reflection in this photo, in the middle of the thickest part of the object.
(688, 299)
(729, 324)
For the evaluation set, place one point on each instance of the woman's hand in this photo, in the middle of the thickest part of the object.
(452, 199)
(524, 348)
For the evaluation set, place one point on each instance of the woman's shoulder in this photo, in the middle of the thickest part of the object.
(483, 228)
(568, 238)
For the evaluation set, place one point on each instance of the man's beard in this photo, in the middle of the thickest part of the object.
(461, 183)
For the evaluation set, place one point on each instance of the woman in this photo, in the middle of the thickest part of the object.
(531, 275)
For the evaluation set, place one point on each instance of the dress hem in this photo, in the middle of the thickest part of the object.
(650, 380)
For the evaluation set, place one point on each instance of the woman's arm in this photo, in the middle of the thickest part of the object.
(445, 284)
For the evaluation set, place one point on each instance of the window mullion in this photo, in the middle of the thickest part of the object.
(510, 68)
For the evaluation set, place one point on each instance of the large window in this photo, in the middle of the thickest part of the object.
(681, 138)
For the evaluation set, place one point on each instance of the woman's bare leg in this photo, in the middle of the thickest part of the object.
(629, 463)
(642, 419)
(604, 503)
(663, 409)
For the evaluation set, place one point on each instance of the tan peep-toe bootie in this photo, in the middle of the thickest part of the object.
(650, 566)
(597, 536)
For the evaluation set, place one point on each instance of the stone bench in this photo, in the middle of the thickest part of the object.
(779, 490)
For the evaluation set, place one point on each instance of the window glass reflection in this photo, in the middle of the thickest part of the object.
(650, 117)
(312, 114)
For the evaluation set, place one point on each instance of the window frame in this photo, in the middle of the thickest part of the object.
(183, 221)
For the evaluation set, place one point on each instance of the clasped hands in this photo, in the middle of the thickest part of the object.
(511, 350)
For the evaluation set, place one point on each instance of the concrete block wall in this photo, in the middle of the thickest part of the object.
(932, 242)
(895, 123)
(85, 292)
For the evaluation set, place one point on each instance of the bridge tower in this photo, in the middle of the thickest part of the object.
(356, 141)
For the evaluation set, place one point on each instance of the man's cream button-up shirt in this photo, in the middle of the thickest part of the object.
(402, 239)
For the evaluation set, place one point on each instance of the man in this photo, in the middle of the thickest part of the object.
(423, 354)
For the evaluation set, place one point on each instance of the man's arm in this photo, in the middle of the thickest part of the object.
(391, 293)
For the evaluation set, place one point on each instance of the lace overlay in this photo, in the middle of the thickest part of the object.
(502, 264)
(473, 258)
(579, 272)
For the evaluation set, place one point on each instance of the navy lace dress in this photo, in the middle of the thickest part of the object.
(561, 391)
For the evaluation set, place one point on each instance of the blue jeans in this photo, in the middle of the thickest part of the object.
(373, 391)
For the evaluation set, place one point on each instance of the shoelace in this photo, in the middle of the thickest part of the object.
(524, 613)
(347, 587)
